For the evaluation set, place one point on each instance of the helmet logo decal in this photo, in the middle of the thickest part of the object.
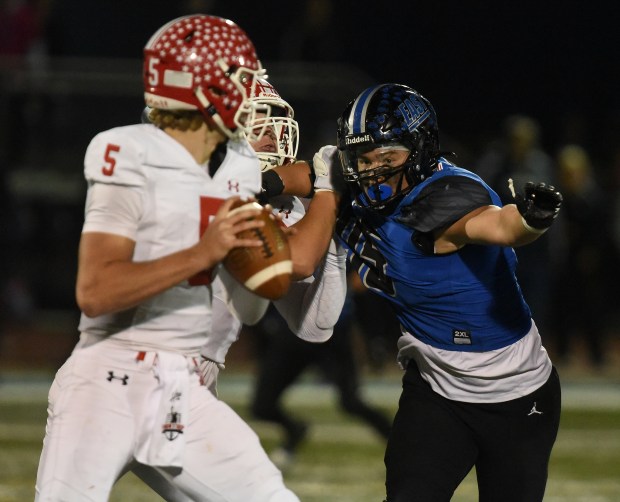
(356, 140)
(413, 113)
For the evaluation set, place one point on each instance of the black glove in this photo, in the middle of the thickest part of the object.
(539, 205)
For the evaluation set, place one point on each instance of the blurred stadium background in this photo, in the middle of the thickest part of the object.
(69, 69)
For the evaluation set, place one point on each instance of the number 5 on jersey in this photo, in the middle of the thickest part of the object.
(110, 161)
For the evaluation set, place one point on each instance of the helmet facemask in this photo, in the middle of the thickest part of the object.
(277, 124)
(244, 81)
(381, 187)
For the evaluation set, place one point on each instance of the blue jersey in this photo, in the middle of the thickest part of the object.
(468, 300)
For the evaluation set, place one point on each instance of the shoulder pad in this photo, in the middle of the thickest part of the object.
(443, 202)
(116, 157)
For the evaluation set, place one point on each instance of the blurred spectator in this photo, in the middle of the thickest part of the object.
(283, 358)
(581, 302)
(519, 155)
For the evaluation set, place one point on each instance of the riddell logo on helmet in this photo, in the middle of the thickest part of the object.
(355, 140)
(156, 101)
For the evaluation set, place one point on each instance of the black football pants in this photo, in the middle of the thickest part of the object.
(435, 442)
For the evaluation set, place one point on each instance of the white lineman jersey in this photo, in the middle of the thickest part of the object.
(226, 327)
(177, 198)
(290, 208)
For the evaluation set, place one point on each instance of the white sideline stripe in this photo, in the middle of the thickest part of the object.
(260, 278)
(236, 388)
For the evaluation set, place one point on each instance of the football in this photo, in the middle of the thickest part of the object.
(264, 270)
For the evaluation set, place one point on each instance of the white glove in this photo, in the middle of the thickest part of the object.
(209, 371)
(323, 163)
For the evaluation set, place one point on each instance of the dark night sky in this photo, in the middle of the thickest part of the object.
(476, 61)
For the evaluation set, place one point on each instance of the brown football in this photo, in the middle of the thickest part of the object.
(264, 270)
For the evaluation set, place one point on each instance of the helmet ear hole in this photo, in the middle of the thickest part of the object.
(216, 91)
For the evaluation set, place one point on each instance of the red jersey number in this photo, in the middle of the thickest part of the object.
(110, 161)
(208, 208)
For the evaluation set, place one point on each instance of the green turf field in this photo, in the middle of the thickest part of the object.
(342, 460)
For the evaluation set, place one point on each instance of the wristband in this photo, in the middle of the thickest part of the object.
(272, 184)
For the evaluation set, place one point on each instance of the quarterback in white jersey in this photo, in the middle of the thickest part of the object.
(157, 226)
(157, 196)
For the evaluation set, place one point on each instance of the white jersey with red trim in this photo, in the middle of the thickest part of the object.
(176, 199)
(226, 327)
(291, 209)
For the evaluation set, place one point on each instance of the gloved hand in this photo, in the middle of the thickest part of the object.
(209, 370)
(323, 162)
(539, 205)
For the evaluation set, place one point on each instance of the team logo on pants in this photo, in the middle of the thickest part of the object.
(173, 426)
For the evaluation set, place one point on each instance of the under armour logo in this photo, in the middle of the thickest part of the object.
(233, 186)
(111, 377)
(534, 411)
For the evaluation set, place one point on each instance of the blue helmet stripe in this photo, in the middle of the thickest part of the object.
(358, 112)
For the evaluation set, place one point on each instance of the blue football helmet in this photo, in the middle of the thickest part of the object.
(388, 115)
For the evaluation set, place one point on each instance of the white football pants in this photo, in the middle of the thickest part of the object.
(114, 410)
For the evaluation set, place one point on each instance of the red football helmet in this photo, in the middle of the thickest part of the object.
(274, 132)
(206, 63)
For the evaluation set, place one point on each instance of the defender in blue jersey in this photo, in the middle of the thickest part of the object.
(433, 238)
